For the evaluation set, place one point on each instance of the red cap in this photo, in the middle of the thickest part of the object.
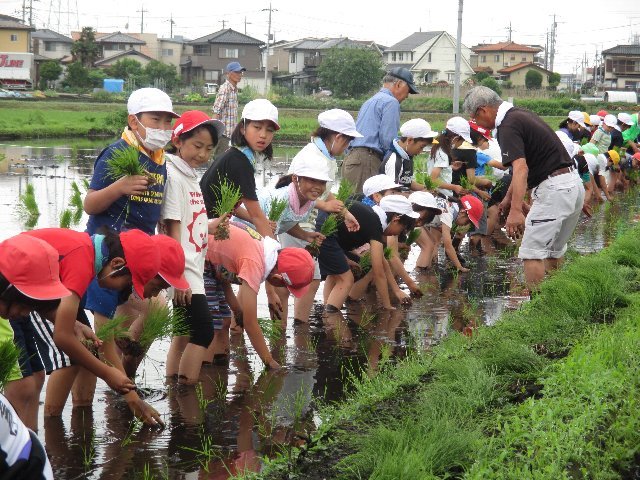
(636, 156)
(31, 265)
(193, 119)
(602, 113)
(474, 207)
(171, 261)
(482, 131)
(141, 256)
(296, 267)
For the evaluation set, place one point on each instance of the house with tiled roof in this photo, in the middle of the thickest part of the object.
(437, 62)
(622, 67)
(50, 44)
(516, 74)
(491, 58)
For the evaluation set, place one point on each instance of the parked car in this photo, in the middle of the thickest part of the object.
(210, 88)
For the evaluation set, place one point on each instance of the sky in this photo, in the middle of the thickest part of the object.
(582, 27)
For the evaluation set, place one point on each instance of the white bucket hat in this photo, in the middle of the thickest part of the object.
(625, 118)
(460, 127)
(578, 117)
(339, 121)
(417, 128)
(378, 183)
(398, 204)
(311, 164)
(149, 100)
(595, 120)
(261, 109)
(425, 199)
(611, 121)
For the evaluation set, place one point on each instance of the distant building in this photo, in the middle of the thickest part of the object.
(516, 74)
(622, 67)
(491, 58)
(15, 36)
(51, 45)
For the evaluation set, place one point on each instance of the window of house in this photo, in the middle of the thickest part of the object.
(211, 75)
(513, 57)
(14, 37)
(451, 77)
(293, 57)
(524, 59)
(429, 57)
(483, 58)
(400, 56)
(412, 56)
(167, 52)
(50, 46)
(201, 49)
(393, 56)
(496, 58)
(228, 52)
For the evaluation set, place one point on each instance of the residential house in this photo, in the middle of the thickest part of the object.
(204, 59)
(622, 67)
(278, 56)
(516, 74)
(491, 58)
(437, 60)
(170, 50)
(51, 45)
(408, 50)
(15, 36)
(136, 55)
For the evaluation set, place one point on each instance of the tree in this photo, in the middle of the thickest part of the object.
(491, 83)
(125, 68)
(85, 50)
(155, 70)
(49, 72)
(480, 76)
(350, 72)
(96, 77)
(554, 79)
(533, 80)
(77, 76)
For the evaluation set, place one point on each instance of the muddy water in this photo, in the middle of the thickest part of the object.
(242, 413)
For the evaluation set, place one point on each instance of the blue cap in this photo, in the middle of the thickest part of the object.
(235, 67)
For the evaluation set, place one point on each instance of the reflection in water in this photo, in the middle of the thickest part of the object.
(240, 412)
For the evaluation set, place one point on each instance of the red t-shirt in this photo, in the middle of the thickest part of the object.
(76, 256)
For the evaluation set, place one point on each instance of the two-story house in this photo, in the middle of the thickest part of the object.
(204, 59)
(508, 61)
(50, 44)
(437, 60)
(622, 67)
(15, 36)
(16, 59)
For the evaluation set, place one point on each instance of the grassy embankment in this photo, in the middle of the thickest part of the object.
(35, 119)
(550, 391)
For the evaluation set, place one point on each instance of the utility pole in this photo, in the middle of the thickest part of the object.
(245, 25)
(171, 24)
(266, 53)
(509, 29)
(553, 42)
(24, 9)
(546, 50)
(223, 22)
(456, 84)
(141, 12)
(595, 69)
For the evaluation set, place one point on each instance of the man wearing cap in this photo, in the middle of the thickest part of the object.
(540, 163)
(225, 107)
(378, 121)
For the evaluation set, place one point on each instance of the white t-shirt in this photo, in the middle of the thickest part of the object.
(183, 201)
(496, 154)
(14, 437)
(449, 213)
(441, 160)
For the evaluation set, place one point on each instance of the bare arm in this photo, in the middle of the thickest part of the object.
(398, 267)
(249, 304)
(450, 250)
(258, 218)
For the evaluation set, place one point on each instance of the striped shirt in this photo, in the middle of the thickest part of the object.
(226, 106)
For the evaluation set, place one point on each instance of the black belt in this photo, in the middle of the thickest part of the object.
(561, 171)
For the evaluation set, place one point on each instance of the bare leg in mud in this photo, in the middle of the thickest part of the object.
(534, 271)
(338, 294)
(58, 388)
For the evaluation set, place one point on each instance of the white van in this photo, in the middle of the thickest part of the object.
(210, 88)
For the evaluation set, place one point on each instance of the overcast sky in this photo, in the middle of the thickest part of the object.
(582, 26)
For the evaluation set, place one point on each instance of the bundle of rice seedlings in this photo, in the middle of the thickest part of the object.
(27, 207)
(328, 228)
(75, 203)
(466, 183)
(162, 322)
(113, 329)
(227, 197)
(365, 259)
(124, 162)
(271, 330)
(345, 190)
(488, 173)
(9, 355)
(388, 253)
(276, 208)
(65, 218)
(413, 236)
(86, 183)
(425, 179)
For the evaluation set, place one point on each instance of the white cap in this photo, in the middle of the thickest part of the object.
(567, 143)
(261, 109)
(425, 199)
(578, 117)
(417, 128)
(339, 121)
(311, 163)
(610, 121)
(460, 127)
(149, 100)
(595, 120)
(378, 183)
(625, 118)
(398, 204)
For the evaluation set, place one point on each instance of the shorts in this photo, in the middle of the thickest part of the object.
(53, 358)
(287, 240)
(557, 203)
(216, 300)
(7, 335)
(198, 318)
(332, 259)
(24, 338)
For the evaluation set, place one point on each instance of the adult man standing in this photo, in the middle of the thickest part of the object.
(225, 108)
(541, 164)
(378, 121)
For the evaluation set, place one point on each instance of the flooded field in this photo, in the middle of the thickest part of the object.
(241, 412)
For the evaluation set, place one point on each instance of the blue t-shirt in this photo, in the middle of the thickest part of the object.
(133, 211)
(482, 159)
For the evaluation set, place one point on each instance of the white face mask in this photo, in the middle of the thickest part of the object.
(155, 138)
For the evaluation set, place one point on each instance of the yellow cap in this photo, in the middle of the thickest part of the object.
(587, 118)
(614, 156)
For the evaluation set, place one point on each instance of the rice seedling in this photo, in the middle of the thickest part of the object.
(425, 179)
(86, 183)
(345, 190)
(113, 329)
(488, 174)
(365, 262)
(388, 253)
(134, 427)
(206, 452)
(162, 322)
(66, 218)
(27, 207)
(227, 197)
(271, 330)
(466, 183)
(76, 203)
(9, 355)
(125, 162)
(328, 228)
(413, 236)
(277, 207)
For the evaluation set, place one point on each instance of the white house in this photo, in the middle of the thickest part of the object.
(431, 56)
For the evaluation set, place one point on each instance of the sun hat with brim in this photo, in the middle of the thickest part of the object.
(611, 121)
(595, 120)
(590, 148)
(149, 100)
(614, 156)
(261, 109)
(193, 119)
(172, 261)
(398, 204)
(474, 208)
(587, 119)
(32, 266)
(142, 258)
(296, 266)
(578, 117)
(460, 127)
(625, 118)
(311, 164)
(425, 199)
(339, 121)
(417, 128)
(378, 183)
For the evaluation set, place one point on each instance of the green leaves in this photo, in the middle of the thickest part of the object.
(351, 72)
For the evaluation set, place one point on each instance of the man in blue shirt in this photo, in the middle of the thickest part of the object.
(378, 121)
